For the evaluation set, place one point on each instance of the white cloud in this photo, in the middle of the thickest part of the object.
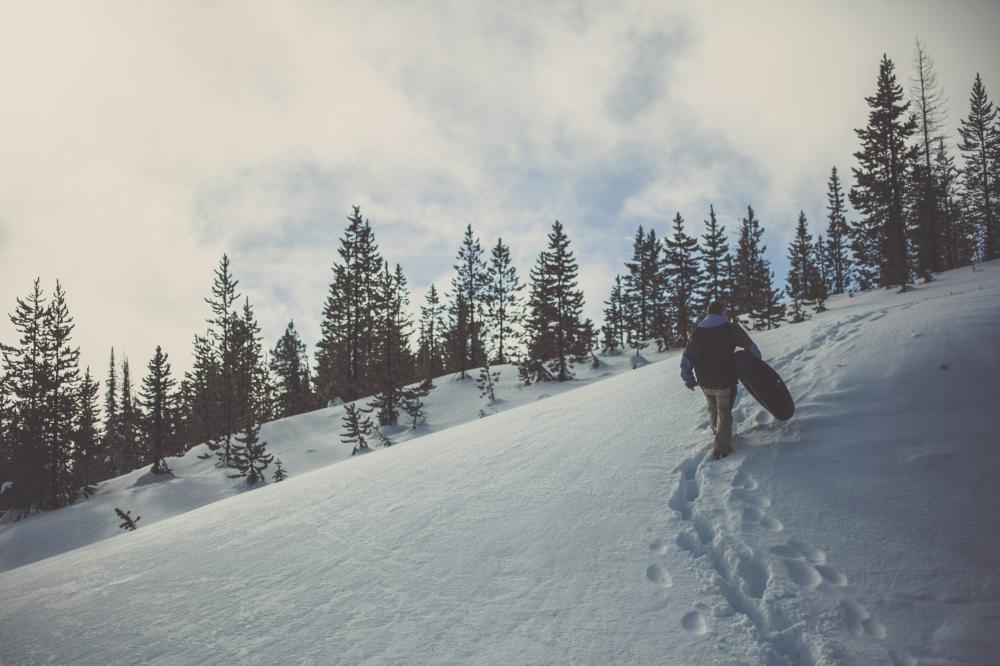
(141, 141)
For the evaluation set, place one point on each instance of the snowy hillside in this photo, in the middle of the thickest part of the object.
(586, 527)
(302, 443)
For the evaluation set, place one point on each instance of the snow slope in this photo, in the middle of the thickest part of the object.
(302, 443)
(590, 526)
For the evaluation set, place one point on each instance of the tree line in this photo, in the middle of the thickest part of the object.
(918, 214)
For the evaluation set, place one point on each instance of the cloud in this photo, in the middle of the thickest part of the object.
(141, 141)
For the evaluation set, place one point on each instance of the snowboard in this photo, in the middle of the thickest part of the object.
(763, 383)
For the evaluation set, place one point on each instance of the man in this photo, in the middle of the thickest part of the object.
(709, 354)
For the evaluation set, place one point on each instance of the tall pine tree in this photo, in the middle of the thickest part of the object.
(980, 148)
(290, 367)
(682, 273)
(838, 262)
(503, 309)
(556, 333)
(881, 177)
(159, 412)
(715, 255)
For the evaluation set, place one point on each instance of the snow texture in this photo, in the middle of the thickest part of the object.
(581, 523)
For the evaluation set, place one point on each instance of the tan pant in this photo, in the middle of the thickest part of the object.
(721, 416)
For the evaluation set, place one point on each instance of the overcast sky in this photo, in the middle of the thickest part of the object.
(139, 141)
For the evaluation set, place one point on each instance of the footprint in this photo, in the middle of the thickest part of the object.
(657, 574)
(755, 574)
(744, 480)
(814, 555)
(689, 542)
(695, 623)
(752, 514)
(658, 547)
(772, 523)
(831, 575)
(859, 621)
(750, 498)
(803, 573)
(787, 552)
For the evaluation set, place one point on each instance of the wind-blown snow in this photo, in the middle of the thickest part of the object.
(586, 527)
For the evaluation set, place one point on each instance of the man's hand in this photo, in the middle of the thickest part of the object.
(691, 384)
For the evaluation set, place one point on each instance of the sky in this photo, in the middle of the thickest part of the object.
(141, 141)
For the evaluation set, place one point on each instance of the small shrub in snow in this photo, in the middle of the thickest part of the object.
(128, 522)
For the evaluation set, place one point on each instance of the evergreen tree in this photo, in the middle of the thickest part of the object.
(802, 271)
(225, 393)
(748, 267)
(250, 456)
(394, 361)
(6, 437)
(63, 367)
(980, 148)
(357, 428)
(344, 367)
(290, 366)
(613, 331)
(112, 421)
(929, 102)
(838, 262)
(502, 304)
(468, 292)
(958, 238)
(430, 356)
(413, 402)
(132, 452)
(488, 377)
(28, 384)
(880, 186)
(683, 276)
(555, 331)
(128, 522)
(88, 454)
(159, 412)
(199, 413)
(644, 297)
(280, 474)
(771, 311)
(715, 256)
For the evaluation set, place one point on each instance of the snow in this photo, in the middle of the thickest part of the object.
(588, 526)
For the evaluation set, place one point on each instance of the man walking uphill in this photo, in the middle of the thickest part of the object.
(709, 353)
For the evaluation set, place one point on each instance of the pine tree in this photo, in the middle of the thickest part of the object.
(879, 192)
(132, 452)
(290, 366)
(838, 262)
(488, 377)
(503, 309)
(225, 393)
(413, 402)
(62, 361)
(747, 268)
(158, 403)
(344, 356)
(357, 428)
(28, 384)
(682, 272)
(7, 455)
(715, 256)
(199, 412)
(958, 238)
(555, 330)
(88, 453)
(802, 270)
(772, 310)
(468, 291)
(929, 102)
(250, 456)
(613, 331)
(430, 357)
(980, 148)
(112, 421)
(394, 361)
(644, 297)
(128, 522)
(280, 474)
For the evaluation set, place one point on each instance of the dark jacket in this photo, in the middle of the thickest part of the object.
(710, 352)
